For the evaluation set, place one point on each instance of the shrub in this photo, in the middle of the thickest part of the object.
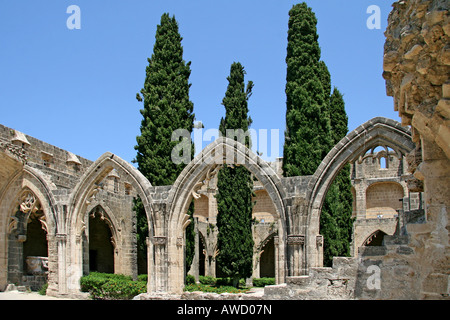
(208, 280)
(106, 286)
(262, 282)
(143, 277)
(213, 289)
(190, 279)
(43, 290)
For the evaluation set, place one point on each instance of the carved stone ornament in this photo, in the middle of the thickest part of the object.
(180, 241)
(209, 176)
(159, 241)
(296, 239)
(14, 150)
(319, 241)
(28, 203)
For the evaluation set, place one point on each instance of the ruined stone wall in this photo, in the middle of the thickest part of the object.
(25, 161)
(417, 69)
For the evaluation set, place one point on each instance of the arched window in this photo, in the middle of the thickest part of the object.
(375, 239)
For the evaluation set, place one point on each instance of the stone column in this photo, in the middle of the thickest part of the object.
(61, 242)
(295, 251)
(278, 261)
(157, 269)
(319, 248)
(194, 270)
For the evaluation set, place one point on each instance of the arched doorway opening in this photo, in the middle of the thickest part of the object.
(267, 260)
(375, 239)
(101, 249)
(196, 174)
(27, 245)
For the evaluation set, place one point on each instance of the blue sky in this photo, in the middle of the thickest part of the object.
(76, 89)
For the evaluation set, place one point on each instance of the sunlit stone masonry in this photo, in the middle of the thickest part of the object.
(63, 216)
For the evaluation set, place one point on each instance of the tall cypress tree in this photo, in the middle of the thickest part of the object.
(336, 216)
(166, 105)
(307, 137)
(235, 187)
(166, 108)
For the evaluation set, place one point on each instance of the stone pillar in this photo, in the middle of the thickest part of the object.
(278, 261)
(360, 193)
(157, 269)
(194, 270)
(319, 248)
(295, 251)
(60, 242)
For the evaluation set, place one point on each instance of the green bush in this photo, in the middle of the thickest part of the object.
(106, 286)
(214, 289)
(207, 280)
(216, 285)
(43, 290)
(190, 279)
(143, 277)
(262, 282)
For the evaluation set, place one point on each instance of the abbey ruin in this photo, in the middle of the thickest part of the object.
(62, 216)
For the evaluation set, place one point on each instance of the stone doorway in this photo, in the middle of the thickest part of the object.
(28, 246)
(101, 249)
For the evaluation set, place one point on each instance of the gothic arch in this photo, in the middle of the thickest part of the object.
(374, 238)
(28, 185)
(84, 194)
(109, 218)
(89, 185)
(375, 132)
(222, 150)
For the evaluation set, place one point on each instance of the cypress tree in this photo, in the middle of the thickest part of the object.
(307, 137)
(167, 107)
(335, 220)
(235, 187)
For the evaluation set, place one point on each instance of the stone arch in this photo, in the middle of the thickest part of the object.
(222, 150)
(27, 190)
(375, 132)
(84, 195)
(259, 248)
(375, 238)
(105, 215)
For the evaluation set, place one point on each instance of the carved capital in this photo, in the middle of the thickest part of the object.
(61, 237)
(297, 239)
(159, 241)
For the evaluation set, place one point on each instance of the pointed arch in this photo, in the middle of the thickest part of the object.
(84, 195)
(375, 132)
(207, 163)
(374, 239)
(90, 183)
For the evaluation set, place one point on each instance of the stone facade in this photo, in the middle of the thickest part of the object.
(85, 209)
(46, 191)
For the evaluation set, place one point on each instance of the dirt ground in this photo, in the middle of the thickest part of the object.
(16, 295)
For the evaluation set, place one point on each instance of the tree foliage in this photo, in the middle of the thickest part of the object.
(336, 221)
(307, 137)
(167, 107)
(235, 187)
(315, 121)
